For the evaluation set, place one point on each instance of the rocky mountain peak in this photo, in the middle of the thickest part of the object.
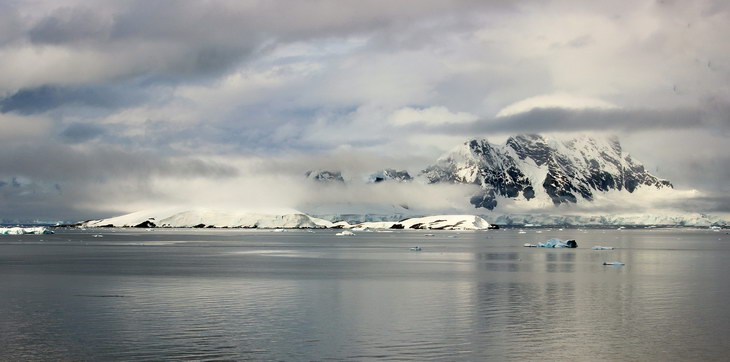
(565, 170)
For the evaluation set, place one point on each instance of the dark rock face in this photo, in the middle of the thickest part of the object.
(574, 169)
(146, 224)
(325, 176)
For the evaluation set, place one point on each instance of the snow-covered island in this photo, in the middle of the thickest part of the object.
(289, 219)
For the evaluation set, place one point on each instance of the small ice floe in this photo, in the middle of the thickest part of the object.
(451, 236)
(538, 232)
(278, 230)
(621, 228)
(345, 233)
(557, 243)
(429, 234)
(613, 263)
(522, 232)
(98, 236)
(597, 247)
(528, 245)
(416, 248)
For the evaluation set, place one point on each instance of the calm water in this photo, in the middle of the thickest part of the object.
(253, 295)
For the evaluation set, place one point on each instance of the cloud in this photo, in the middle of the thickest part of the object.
(168, 89)
(559, 100)
(429, 116)
(80, 132)
(591, 119)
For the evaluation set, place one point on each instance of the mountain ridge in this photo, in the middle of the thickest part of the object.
(529, 166)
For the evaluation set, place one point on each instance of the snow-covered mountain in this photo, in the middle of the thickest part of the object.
(436, 222)
(211, 218)
(536, 167)
(390, 174)
(236, 219)
(325, 176)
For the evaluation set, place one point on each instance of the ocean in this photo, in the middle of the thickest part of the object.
(233, 294)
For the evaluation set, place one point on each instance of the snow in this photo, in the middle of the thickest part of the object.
(437, 222)
(589, 219)
(217, 218)
(22, 230)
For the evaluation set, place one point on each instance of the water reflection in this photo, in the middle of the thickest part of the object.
(235, 296)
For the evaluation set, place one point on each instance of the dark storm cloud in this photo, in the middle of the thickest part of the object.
(81, 132)
(575, 120)
(191, 38)
(69, 25)
(100, 163)
(45, 98)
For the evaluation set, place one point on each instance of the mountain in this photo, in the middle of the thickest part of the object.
(211, 218)
(390, 174)
(437, 222)
(534, 166)
(325, 176)
(205, 218)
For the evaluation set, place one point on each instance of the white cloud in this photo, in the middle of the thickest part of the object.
(429, 116)
(557, 100)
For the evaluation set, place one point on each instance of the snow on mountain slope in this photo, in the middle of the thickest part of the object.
(437, 222)
(213, 218)
(557, 171)
(691, 220)
(390, 174)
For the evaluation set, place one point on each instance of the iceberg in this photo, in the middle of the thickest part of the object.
(22, 230)
(558, 243)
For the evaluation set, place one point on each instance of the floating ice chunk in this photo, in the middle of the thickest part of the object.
(429, 234)
(528, 245)
(602, 247)
(345, 233)
(522, 232)
(613, 263)
(558, 243)
(417, 248)
(98, 236)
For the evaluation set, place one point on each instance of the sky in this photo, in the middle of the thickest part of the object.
(109, 107)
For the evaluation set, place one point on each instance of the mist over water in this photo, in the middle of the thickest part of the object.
(237, 294)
